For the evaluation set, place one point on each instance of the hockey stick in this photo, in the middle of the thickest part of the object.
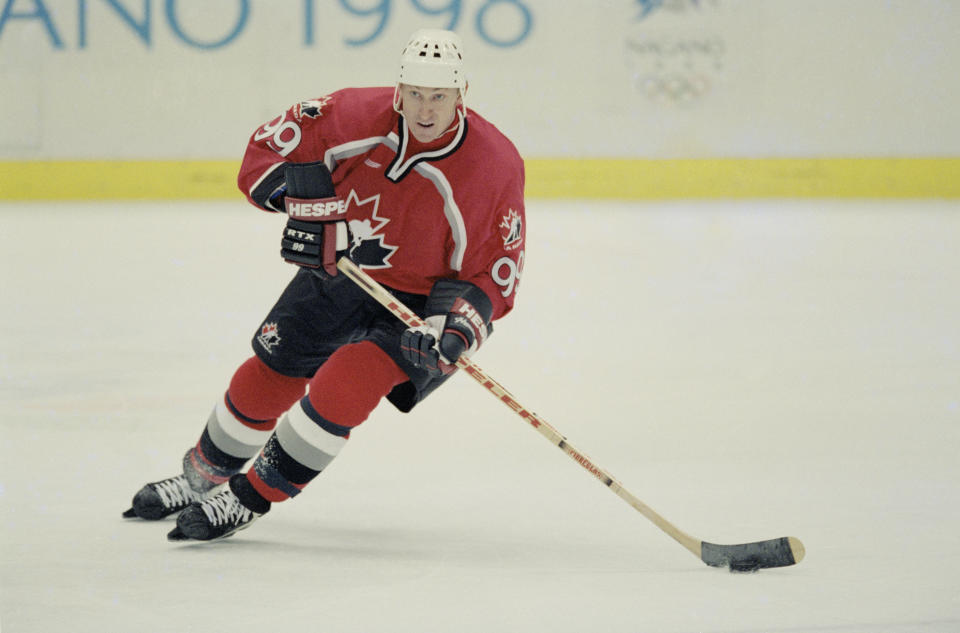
(779, 552)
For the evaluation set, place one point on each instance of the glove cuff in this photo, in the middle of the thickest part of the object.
(445, 293)
(466, 309)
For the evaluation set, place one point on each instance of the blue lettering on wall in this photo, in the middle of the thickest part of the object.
(141, 28)
(512, 26)
(649, 6)
(526, 23)
(39, 13)
(174, 22)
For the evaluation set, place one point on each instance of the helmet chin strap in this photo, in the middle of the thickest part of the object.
(396, 98)
(462, 105)
(457, 122)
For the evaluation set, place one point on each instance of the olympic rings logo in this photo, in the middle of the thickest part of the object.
(674, 69)
(673, 87)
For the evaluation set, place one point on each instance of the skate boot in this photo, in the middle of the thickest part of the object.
(221, 515)
(162, 498)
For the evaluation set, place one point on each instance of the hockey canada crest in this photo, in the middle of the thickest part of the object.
(511, 230)
(312, 109)
(368, 248)
(269, 336)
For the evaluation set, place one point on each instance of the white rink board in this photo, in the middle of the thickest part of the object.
(135, 79)
(750, 370)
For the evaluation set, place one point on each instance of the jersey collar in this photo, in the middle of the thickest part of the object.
(410, 152)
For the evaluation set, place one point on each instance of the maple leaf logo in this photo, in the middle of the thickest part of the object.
(511, 230)
(368, 248)
(269, 336)
(312, 108)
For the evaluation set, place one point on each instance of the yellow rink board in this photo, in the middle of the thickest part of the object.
(623, 179)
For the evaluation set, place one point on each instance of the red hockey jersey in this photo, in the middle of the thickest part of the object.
(417, 213)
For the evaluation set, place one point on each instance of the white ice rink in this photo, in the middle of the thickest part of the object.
(749, 369)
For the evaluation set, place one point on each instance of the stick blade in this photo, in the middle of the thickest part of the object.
(748, 557)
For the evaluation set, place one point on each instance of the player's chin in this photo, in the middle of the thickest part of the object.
(425, 133)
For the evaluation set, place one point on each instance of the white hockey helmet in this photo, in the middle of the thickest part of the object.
(432, 58)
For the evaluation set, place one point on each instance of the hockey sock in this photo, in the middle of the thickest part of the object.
(240, 423)
(260, 393)
(347, 387)
(302, 446)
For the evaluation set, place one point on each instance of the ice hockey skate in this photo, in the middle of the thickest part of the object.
(221, 515)
(162, 498)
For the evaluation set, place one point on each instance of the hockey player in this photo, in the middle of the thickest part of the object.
(427, 197)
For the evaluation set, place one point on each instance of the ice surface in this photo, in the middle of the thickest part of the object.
(749, 369)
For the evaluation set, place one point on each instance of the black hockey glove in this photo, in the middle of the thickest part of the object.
(457, 323)
(316, 235)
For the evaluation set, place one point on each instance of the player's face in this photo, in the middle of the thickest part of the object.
(428, 111)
